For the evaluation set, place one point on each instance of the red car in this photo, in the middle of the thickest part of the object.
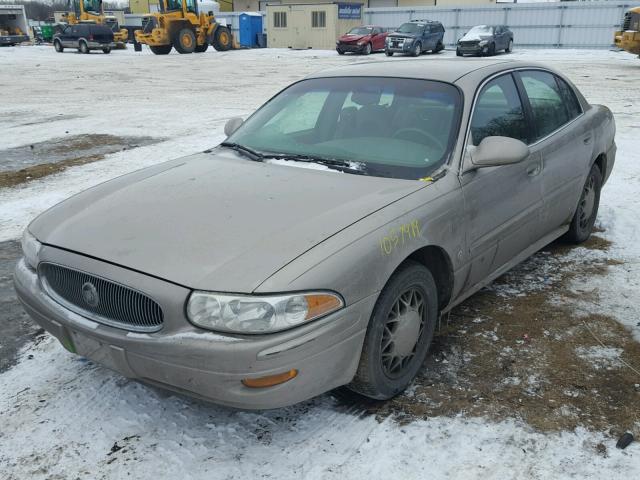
(364, 39)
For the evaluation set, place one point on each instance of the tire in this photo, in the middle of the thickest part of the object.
(202, 48)
(509, 48)
(367, 49)
(417, 50)
(185, 41)
(222, 40)
(106, 50)
(57, 45)
(587, 210)
(83, 47)
(458, 53)
(390, 358)
(161, 49)
(492, 50)
(340, 51)
(388, 53)
(439, 47)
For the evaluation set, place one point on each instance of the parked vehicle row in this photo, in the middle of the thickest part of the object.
(419, 36)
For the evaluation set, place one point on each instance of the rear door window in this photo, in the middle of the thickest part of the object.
(499, 112)
(547, 105)
(570, 100)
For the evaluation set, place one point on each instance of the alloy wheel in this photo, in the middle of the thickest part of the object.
(587, 203)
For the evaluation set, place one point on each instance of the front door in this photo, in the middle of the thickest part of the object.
(502, 204)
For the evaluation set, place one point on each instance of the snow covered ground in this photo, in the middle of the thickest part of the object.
(63, 417)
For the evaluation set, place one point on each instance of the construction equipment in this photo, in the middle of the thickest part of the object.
(180, 25)
(92, 11)
(628, 38)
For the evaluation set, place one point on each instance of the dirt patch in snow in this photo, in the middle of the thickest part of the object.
(518, 350)
(29, 162)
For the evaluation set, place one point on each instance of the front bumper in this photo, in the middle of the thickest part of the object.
(401, 47)
(196, 362)
(350, 47)
(473, 49)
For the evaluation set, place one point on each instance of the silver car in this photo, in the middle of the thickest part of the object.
(317, 246)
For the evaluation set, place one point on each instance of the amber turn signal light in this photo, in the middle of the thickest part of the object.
(271, 380)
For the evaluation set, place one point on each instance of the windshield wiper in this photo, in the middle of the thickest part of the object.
(356, 168)
(246, 151)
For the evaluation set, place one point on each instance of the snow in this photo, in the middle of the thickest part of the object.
(61, 415)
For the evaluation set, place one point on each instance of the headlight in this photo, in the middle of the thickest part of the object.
(483, 42)
(258, 314)
(30, 249)
(387, 40)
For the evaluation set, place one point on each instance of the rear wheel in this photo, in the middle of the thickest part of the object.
(57, 44)
(439, 47)
(458, 53)
(106, 50)
(367, 49)
(185, 41)
(417, 50)
(222, 39)
(585, 216)
(509, 48)
(161, 49)
(83, 47)
(399, 333)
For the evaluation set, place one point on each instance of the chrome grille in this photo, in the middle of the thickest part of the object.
(101, 300)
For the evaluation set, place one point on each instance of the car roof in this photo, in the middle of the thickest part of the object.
(443, 70)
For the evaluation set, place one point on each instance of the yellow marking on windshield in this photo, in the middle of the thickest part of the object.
(426, 179)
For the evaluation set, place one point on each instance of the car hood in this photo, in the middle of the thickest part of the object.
(352, 38)
(214, 221)
(475, 38)
(403, 35)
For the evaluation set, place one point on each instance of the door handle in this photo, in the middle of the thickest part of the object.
(586, 140)
(534, 169)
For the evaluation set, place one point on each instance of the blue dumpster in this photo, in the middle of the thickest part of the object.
(250, 29)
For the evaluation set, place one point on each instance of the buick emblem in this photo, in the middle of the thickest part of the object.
(90, 294)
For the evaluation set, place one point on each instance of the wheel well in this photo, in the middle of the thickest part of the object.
(439, 264)
(601, 162)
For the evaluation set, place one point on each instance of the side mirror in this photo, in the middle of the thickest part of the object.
(496, 151)
(232, 125)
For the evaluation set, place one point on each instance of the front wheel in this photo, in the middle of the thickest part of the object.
(585, 215)
(58, 46)
(399, 333)
(509, 48)
(161, 49)
(417, 50)
(185, 41)
(367, 49)
(221, 39)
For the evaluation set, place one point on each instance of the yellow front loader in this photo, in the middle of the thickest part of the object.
(628, 38)
(179, 25)
(91, 11)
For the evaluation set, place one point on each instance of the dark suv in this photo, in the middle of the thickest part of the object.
(485, 40)
(415, 37)
(85, 37)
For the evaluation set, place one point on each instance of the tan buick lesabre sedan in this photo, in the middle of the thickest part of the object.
(318, 244)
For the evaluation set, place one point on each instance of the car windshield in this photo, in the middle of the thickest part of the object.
(410, 27)
(480, 30)
(387, 127)
(360, 31)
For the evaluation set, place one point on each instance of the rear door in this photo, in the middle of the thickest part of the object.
(565, 141)
(432, 36)
(502, 204)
